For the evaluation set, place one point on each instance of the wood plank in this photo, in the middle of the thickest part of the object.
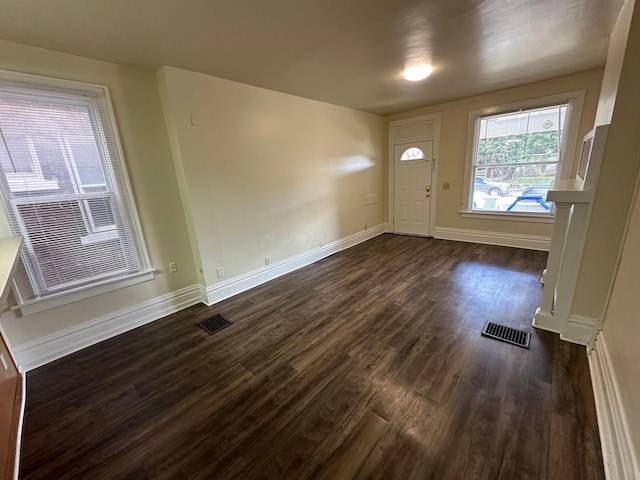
(10, 404)
(10, 378)
(366, 364)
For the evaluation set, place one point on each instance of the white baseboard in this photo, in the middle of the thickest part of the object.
(545, 321)
(580, 330)
(531, 242)
(577, 329)
(41, 351)
(228, 288)
(620, 460)
(46, 349)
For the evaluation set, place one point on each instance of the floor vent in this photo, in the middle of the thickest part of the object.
(215, 324)
(506, 334)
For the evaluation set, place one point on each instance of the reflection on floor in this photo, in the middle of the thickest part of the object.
(368, 364)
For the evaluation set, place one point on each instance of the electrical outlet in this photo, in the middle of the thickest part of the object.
(220, 272)
(446, 186)
(173, 268)
(267, 260)
(322, 243)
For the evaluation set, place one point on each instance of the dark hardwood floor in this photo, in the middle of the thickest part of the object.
(367, 364)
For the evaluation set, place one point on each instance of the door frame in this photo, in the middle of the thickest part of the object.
(420, 173)
(396, 137)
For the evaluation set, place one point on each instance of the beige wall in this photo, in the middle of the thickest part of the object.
(268, 174)
(613, 68)
(453, 142)
(261, 173)
(616, 184)
(148, 157)
(606, 264)
(621, 329)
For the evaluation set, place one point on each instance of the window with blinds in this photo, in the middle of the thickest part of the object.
(65, 188)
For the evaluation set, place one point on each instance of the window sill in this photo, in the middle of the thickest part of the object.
(30, 307)
(514, 217)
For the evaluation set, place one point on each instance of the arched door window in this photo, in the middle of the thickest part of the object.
(412, 153)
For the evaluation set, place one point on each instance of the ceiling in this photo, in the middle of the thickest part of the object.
(346, 52)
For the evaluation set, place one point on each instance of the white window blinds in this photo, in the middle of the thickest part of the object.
(64, 187)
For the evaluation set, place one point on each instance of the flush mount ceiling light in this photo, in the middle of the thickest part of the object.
(417, 72)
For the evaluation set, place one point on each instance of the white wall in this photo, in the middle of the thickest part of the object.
(263, 173)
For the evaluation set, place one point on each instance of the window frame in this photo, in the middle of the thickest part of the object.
(566, 162)
(102, 111)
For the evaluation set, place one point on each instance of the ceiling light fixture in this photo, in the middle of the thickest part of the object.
(417, 72)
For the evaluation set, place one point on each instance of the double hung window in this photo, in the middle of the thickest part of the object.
(65, 189)
(518, 151)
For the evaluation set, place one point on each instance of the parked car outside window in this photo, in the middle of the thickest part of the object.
(495, 189)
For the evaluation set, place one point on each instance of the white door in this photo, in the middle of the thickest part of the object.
(412, 187)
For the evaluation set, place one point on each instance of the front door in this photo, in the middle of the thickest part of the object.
(412, 187)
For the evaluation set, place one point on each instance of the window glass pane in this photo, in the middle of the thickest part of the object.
(101, 212)
(87, 160)
(506, 189)
(412, 153)
(16, 157)
(532, 136)
(516, 160)
(50, 157)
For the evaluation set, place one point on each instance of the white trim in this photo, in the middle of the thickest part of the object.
(23, 403)
(36, 353)
(620, 460)
(580, 330)
(43, 350)
(129, 197)
(431, 117)
(566, 163)
(29, 307)
(544, 321)
(23, 406)
(531, 242)
(203, 292)
(60, 84)
(512, 217)
(228, 288)
(103, 119)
